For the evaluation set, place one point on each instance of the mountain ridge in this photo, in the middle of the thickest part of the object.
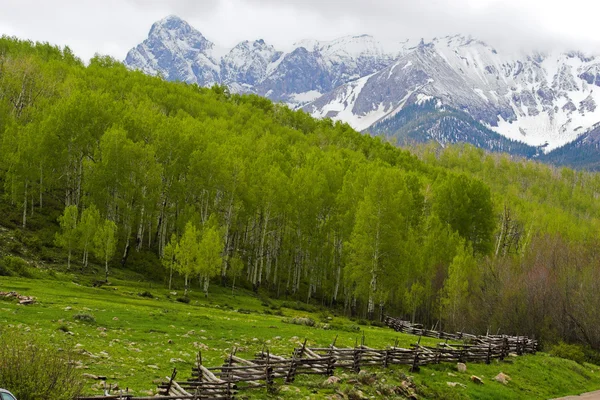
(544, 100)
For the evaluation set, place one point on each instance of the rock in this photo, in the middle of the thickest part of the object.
(90, 376)
(332, 380)
(502, 378)
(68, 308)
(101, 329)
(153, 366)
(451, 374)
(455, 384)
(461, 367)
(477, 380)
(115, 319)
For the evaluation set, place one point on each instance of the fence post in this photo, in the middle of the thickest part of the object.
(415, 365)
(269, 374)
(489, 353)
(198, 364)
(356, 361)
(171, 380)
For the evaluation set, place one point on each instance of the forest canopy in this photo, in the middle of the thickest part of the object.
(216, 186)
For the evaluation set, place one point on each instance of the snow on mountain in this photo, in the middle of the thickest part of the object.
(543, 100)
(309, 69)
(247, 62)
(539, 99)
(178, 52)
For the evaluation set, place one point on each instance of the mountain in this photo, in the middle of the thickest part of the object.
(525, 104)
(541, 100)
(583, 152)
(178, 52)
(429, 120)
(309, 69)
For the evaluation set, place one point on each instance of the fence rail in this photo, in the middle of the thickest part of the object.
(238, 374)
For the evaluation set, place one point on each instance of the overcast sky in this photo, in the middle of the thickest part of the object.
(114, 26)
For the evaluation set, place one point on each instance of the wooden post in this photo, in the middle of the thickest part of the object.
(198, 364)
(356, 360)
(173, 375)
(269, 374)
(415, 365)
(489, 354)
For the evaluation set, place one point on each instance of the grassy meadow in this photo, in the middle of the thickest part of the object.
(135, 332)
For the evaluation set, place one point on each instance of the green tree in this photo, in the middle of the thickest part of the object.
(105, 243)
(168, 257)
(466, 205)
(186, 254)
(210, 250)
(460, 287)
(236, 266)
(68, 236)
(87, 228)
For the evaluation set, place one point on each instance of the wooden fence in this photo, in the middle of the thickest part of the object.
(237, 374)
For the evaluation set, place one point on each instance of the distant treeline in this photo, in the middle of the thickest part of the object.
(219, 186)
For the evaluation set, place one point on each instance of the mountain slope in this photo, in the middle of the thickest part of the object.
(429, 121)
(583, 152)
(544, 100)
(541, 100)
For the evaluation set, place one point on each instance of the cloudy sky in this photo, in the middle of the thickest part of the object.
(114, 26)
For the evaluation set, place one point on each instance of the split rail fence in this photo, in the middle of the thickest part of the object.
(238, 374)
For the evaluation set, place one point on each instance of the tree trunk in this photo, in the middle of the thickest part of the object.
(25, 206)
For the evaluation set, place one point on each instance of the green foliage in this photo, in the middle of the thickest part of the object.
(10, 265)
(212, 183)
(32, 369)
(68, 236)
(572, 352)
(306, 321)
(85, 317)
(105, 243)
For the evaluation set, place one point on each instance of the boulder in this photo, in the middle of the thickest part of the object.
(476, 380)
(332, 380)
(461, 367)
(502, 378)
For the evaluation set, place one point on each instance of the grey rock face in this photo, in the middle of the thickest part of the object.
(177, 51)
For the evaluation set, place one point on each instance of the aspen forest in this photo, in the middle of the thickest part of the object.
(195, 187)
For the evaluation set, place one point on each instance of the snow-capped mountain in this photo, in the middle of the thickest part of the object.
(308, 70)
(178, 52)
(539, 99)
(544, 100)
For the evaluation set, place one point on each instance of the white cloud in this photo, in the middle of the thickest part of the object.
(114, 26)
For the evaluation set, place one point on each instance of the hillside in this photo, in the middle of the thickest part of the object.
(133, 340)
(108, 172)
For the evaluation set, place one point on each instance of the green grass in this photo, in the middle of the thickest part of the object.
(135, 340)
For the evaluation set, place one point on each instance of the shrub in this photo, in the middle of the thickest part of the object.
(299, 306)
(85, 317)
(33, 370)
(568, 351)
(185, 300)
(378, 324)
(299, 321)
(10, 266)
